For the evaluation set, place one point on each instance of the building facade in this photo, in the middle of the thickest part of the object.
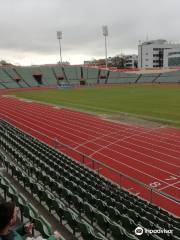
(131, 61)
(119, 61)
(158, 53)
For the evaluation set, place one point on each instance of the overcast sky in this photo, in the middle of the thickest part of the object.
(28, 27)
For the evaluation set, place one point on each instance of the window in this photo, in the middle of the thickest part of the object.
(173, 53)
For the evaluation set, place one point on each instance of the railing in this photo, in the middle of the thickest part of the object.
(135, 186)
(98, 166)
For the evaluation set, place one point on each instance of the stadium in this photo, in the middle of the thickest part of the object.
(90, 152)
(66, 154)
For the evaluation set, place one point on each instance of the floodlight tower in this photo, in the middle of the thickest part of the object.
(105, 34)
(59, 37)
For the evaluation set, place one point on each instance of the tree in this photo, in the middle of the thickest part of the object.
(4, 63)
(118, 62)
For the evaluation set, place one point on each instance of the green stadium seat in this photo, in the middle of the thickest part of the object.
(117, 232)
(176, 231)
(146, 223)
(102, 221)
(43, 227)
(4, 183)
(128, 223)
(71, 219)
(163, 224)
(113, 214)
(59, 208)
(30, 212)
(89, 212)
(11, 193)
(78, 203)
(133, 215)
(88, 233)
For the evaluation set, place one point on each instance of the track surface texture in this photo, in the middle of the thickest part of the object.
(149, 155)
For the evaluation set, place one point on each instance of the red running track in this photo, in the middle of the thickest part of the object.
(149, 155)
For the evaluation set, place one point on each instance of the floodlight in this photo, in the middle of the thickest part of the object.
(59, 37)
(105, 34)
(105, 30)
(59, 34)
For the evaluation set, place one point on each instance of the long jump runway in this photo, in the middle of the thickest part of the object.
(148, 155)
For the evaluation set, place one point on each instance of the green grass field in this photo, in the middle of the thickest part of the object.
(155, 102)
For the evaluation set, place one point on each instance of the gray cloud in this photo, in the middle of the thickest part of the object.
(30, 26)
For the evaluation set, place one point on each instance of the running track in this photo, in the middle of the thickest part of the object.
(150, 155)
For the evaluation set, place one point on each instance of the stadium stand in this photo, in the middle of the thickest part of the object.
(121, 77)
(25, 74)
(83, 201)
(92, 77)
(73, 75)
(148, 78)
(48, 76)
(60, 76)
(13, 74)
(169, 77)
(36, 76)
(6, 80)
(1, 85)
(85, 72)
(103, 76)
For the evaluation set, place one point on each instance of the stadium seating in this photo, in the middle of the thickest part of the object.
(73, 75)
(60, 185)
(6, 81)
(92, 76)
(121, 77)
(55, 75)
(48, 77)
(85, 72)
(27, 211)
(103, 76)
(2, 86)
(148, 78)
(169, 77)
(12, 73)
(26, 76)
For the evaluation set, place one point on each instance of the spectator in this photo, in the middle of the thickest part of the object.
(8, 218)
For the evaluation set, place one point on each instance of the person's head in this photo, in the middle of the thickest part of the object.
(8, 214)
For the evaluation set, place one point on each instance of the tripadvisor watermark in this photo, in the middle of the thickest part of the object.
(139, 231)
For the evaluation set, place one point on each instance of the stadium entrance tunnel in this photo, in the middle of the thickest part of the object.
(38, 78)
(82, 82)
(17, 79)
(60, 77)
